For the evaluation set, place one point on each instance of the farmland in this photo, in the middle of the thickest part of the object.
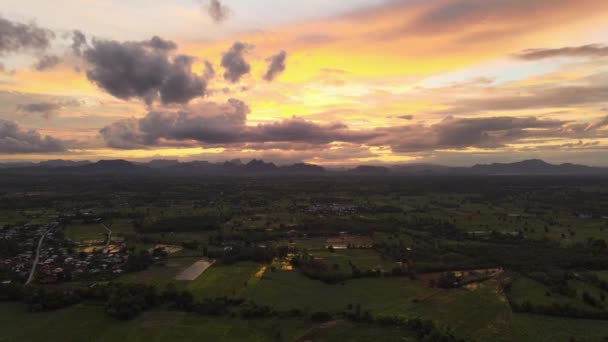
(517, 258)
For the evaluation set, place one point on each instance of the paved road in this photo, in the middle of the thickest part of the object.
(109, 234)
(33, 270)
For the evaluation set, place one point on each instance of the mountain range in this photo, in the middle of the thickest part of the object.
(260, 167)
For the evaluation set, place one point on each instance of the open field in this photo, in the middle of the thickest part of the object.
(160, 275)
(89, 323)
(224, 280)
(80, 232)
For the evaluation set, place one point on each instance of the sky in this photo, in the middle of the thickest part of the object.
(336, 83)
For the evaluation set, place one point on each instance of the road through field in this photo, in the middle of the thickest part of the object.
(33, 270)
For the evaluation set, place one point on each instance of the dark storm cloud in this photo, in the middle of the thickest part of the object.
(217, 11)
(47, 62)
(461, 133)
(297, 130)
(234, 62)
(276, 65)
(15, 37)
(221, 124)
(181, 84)
(226, 125)
(79, 40)
(14, 139)
(143, 70)
(592, 50)
(209, 123)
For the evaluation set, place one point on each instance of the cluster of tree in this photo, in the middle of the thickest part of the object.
(332, 274)
(45, 299)
(11, 292)
(8, 248)
(425, 330)
(250, 252)
(208, 222)
(126, 302)
(138, 261)
(560, 310)
(447, 280)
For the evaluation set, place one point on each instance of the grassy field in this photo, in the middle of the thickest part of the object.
(89, 323)
(159, 275)
(525, 289)
(286, 290)
(224, 280)
(363, 259)
(79, 232)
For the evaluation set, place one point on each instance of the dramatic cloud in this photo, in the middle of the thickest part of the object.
(221, 124)
(217, 11)
(181, 84)
(276, 66)
(79, 40)
(234, 62)
(592, 50)
(47, 62)
(16, 37)
(13, 139)
(532, 98)
(143, 70)
(208, 122)
(297, 130)
(460, 133)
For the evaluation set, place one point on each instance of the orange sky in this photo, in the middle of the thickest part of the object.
(420, 76)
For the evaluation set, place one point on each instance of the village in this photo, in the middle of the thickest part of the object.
(42, 255)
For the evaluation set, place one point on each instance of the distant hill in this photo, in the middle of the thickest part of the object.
(260, 167)
(536, 167)
(366, 170)
(110, 166)
(302, 168)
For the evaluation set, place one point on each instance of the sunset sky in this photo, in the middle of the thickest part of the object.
(338, 82)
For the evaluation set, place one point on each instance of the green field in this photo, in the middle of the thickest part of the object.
(159, 275)
(221, 280)
(363, 259)
(89, 323)
(79, 232)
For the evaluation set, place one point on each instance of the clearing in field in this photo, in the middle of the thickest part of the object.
(195, 270)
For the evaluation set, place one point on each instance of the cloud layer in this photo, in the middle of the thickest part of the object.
(591, 50)
(14, 139)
